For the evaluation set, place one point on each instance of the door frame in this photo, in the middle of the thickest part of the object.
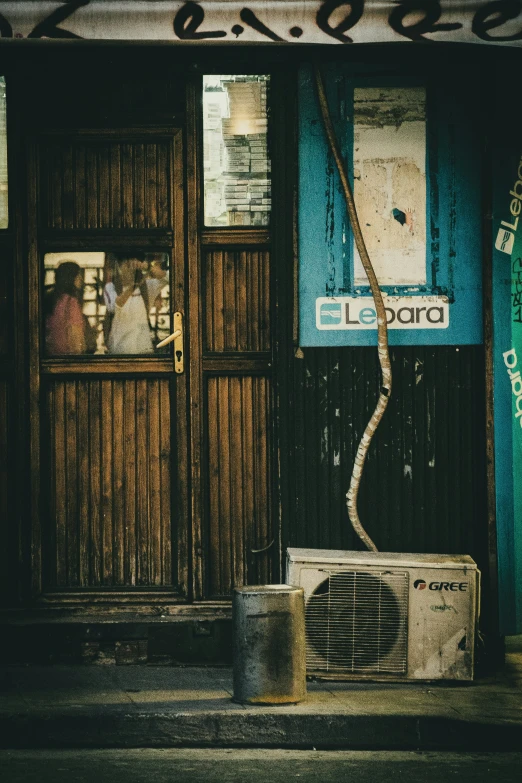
(197, 240)
(172, 241)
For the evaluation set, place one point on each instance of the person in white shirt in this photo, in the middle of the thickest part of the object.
(128, 299)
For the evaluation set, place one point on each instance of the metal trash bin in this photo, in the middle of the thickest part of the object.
(269, 644)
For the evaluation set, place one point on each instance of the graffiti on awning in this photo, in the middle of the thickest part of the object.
(276, 21)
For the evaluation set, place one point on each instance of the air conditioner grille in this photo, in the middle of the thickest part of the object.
(356, 621)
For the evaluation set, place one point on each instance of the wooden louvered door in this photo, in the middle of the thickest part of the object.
(110, 418)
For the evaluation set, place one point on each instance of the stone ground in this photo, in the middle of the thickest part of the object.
(159, 707)
(255, 766)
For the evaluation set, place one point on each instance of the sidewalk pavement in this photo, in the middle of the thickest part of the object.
(155, 706)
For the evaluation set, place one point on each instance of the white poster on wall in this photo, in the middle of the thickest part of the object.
(389, 182)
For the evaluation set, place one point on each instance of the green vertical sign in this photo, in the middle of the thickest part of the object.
(507, 346)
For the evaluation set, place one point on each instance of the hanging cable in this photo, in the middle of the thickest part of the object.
(382, 327)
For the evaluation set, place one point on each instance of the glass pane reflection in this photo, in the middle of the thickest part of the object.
(236, 163)
(105, 303)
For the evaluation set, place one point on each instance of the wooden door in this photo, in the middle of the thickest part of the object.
(109, 416)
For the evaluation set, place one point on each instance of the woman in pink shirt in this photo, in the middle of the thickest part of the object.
(65, 323)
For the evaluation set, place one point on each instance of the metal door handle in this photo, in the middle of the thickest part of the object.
(177, 337)
(169, 339)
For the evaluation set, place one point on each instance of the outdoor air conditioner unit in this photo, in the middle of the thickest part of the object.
(386, 615)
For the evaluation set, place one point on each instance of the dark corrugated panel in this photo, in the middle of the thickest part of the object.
(423, 488)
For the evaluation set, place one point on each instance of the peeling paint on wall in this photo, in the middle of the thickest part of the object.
(389, 159)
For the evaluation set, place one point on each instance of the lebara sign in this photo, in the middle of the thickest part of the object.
(402, 312)
(507, 346)
(279, 21)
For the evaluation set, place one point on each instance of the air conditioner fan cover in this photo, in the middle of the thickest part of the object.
(356, 621)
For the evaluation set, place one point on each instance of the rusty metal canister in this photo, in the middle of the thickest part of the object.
(269, 644)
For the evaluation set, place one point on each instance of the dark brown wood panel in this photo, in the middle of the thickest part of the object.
(106, 183)
(109, 484)
(237, 300)
(5, 310)
(5, 479)
(240, 514)
(4, 445)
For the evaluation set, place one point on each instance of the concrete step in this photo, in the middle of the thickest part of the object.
(165, 706)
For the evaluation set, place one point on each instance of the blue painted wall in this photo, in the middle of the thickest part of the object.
(453, 209)
(507, 362)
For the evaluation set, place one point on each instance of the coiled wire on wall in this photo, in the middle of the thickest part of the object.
(382, 327)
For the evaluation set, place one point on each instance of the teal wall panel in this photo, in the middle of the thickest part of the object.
(453, 210)
(507, 363)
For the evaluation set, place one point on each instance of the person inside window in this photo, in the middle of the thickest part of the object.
(67, 330)
(129, 296)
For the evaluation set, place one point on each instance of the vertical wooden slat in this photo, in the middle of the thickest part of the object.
(139, 186)
(249, 500)
(214, 484)
(241, 308)
(142, 524)
(104, 220)
(218, 305)
(60, 482)
(68, 201)
(249, 328)
(71, 488)
(237, 520)
(55, 168)
(107, 468)
(92, 185)
(225, 520)
(163, 175)
(80, 186)
(229, 297)
(118, 484)
(151, 191)
(255, 313)
(115, 186)
(127, 185)
(166, 454)
(155, 521)
(262, 484)
(84, 480)
(265, 341)
(95, 506)
(130, 466)
(210, 315)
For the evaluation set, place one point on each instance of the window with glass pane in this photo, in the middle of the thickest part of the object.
(236, 164)
(389, 163)
(105, 303)
(3, 157)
